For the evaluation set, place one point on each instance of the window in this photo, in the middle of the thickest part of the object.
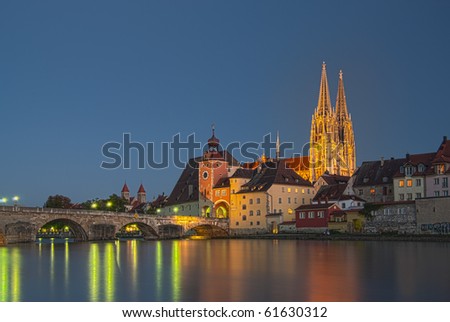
(251, 223)
(401, 183)
(343, 205)
(436, 180)
(279, 200)
(250, 201)
(409, 196)
(258, 200)
(445, 182)
(321, 214)
(295, 200)
(445, 193)
(282, 189)
(224, 192)
(360, 192)
(421, 168)
(308, 190)
(290, 211)
(217, 193)
(258, 212)
(251, 212)
(301, 215)
(418, 195)
(289, 189)
(311, 214)
(237, 223)
(409, 171)
(244, 207)
(372, 191)
(289, 199)
(436, 193)
(402, 196)
(257, 223)
(409, 182)
(303, 201)
(244, 218)
(418, 182)
(440, 169)
(296, 190)
(385, 190)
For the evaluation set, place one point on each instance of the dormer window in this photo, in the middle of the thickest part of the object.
(409, 170)
(421, 168)
(402, 169)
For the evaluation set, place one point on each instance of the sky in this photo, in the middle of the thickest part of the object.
(75, 75)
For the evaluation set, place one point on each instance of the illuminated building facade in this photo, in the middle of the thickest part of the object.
(332, 142)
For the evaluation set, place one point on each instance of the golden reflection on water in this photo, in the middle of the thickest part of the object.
(94, 272)
(109, 278)
(159, 269)
(176, 276)
(10, 279)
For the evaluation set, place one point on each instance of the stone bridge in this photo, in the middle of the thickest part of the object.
(21, 224)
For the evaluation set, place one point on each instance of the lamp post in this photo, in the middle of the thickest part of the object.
(15, 199)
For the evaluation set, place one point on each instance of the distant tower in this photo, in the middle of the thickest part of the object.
(323, 139)
(277, 153)
(346, 161)
(125, 193)
(142, 195)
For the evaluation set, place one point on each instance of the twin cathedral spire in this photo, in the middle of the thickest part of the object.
(332, 140)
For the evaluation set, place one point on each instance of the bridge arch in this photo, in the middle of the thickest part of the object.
(147, 231)
(207, 231)
(63, 227)
(170, 231)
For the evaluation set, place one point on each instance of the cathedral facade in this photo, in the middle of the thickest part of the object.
(332, 142)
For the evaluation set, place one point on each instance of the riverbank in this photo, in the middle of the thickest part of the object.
(349, 237)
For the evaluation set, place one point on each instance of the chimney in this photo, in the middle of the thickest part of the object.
(445, 139)
(382, 161)
(408, 157)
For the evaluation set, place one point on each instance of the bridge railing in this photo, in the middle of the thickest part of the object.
(60, 211)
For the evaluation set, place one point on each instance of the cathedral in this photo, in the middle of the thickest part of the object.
(332, 142)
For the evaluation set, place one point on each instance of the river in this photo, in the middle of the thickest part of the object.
(226, 270)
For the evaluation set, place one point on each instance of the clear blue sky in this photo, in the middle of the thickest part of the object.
(77, 74)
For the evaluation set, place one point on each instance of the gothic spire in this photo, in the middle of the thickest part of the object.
(341, 104)
(324, 104)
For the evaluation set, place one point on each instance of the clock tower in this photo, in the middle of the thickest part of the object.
(212, 168)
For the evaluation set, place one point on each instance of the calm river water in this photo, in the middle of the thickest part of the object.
(226, 270)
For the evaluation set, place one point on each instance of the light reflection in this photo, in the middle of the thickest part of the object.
(176, 277)
(109, 264)
(52, 264)
(132, 253)
(159, 270)
(66, 266)
(94, 273)
(10, 279)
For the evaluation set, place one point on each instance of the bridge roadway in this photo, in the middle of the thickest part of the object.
(21, 224)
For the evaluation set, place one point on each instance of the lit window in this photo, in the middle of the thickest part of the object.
(290, 211)
(289, 189)
(296, 190)
(372, 191)
(409, 182)
(440, 169)
(401, 183)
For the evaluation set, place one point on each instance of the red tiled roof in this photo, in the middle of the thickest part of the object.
(443, 153)
(334, 178)
(141, 189)
(415, 160)
(330, 192)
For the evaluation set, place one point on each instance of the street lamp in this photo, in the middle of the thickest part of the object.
(109, 204)
(15, 199)
(94, 205)
(4, 200)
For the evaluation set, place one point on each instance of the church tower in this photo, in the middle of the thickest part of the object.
(332, 143)
(346, 161)
(323, 139)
